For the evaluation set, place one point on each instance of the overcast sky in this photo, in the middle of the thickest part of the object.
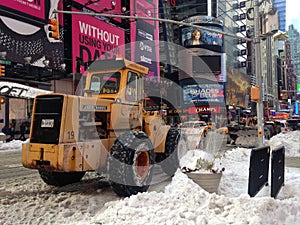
(293, 13)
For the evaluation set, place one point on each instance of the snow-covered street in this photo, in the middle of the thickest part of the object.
(27, 200)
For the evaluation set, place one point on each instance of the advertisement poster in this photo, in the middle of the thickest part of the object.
(103, 7)
(145, 36)
(33, 8)
(94, 39)
(24, 32)
(203, 92)
(238, 87)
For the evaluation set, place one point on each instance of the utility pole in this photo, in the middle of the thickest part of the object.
(179, 23)
(258, 74)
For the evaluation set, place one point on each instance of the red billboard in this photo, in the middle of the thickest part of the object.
(204, 109)
(145, 35)
(35, 8)
(103, 6)
(94, 39)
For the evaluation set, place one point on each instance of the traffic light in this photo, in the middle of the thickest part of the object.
(53, 28)
(255, 93)
(281, 95)
(2, 71)
(2, 100)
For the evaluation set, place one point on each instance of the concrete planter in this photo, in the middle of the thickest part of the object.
(208, 181)
(292, 161)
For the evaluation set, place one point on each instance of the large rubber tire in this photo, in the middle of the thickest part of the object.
(60, 178)
(130, 163)
(176, 146)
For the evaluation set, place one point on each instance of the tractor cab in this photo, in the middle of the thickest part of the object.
(117, 79)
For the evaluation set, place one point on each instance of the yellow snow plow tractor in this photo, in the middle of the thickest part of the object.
(106, 129)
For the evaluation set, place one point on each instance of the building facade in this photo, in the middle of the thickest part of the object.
(294, 38)
(233, 13)
(280, 5)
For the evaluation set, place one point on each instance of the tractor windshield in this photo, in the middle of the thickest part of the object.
(105, 83)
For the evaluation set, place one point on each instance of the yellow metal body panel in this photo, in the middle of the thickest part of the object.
(34, 154)
(125, 116)
(94, 104)
(136, 67)
(159, 142)
(156, 129)
(69, 123)
(66, 157)
(95, 154)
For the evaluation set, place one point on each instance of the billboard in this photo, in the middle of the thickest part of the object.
(145, 35)
(203, 92)
(94, 39)
(34, 8)
(206, 37)
(204, 109)
(203, 54)
(202, 63)
(207, 64)
(103, 6)
(237, 87)
(24, 32)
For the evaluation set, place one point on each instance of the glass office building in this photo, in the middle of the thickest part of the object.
(280, 5)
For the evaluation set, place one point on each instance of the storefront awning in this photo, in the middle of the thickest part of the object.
(19, 90)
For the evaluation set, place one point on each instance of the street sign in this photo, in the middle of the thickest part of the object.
(5, 62)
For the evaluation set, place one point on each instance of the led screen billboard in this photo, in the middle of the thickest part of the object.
(207, 64)
(202, 63)
(206, 37)
(94, 39)
(145, 35)
(206, 32)
(203, 92)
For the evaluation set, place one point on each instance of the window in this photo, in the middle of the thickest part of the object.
(105, 83)
(95, 84)
(131, 87)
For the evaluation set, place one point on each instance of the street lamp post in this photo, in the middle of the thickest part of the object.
(258, 74)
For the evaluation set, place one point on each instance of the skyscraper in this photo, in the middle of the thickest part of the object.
(294, 38)
(280, 5)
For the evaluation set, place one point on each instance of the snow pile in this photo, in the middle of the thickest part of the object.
(184, 202)
(290, 141)
(200, 161)
(13, 145)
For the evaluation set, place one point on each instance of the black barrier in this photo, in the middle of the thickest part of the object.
(258, 169)
(277, 168)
